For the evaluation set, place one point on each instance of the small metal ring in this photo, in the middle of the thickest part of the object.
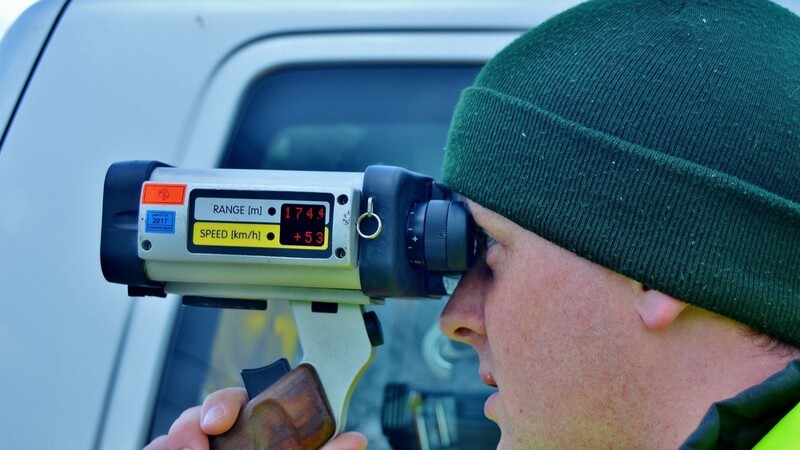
(367, 215)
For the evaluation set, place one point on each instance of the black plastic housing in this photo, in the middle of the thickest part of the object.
(390, 265)
(119, 241)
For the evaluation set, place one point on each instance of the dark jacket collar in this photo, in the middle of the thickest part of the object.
(740, 422)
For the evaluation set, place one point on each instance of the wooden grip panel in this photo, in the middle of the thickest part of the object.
(292, 414)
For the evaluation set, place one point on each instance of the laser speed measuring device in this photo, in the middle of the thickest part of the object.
(327, 242)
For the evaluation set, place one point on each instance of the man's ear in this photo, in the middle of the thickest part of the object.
(658, 310)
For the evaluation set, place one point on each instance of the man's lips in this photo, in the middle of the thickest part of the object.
(489, 408)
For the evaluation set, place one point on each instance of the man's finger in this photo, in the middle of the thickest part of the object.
(347, 441)
(220, 410)
(185, 432)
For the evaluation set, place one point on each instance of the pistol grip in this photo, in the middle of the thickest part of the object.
(292, 414)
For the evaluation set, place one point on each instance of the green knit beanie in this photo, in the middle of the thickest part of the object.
(660, 139)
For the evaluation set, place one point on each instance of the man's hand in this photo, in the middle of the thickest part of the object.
(217, 415)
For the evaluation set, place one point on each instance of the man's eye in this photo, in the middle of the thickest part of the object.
(484, 242)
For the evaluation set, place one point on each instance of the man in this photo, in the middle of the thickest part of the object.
(635, 168)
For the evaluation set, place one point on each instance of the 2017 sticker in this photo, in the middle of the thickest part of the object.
(160, 222)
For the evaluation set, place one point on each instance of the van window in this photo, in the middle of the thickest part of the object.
(422, 391)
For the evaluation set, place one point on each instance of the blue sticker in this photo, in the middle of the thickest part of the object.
(160, 222)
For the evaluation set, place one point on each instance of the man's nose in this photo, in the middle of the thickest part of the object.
(463, 317)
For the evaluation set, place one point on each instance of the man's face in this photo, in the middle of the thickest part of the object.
(553, 334)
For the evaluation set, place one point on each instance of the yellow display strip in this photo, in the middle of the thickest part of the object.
(252, 235)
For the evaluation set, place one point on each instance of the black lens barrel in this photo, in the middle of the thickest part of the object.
(440, 236)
